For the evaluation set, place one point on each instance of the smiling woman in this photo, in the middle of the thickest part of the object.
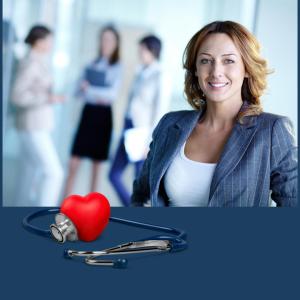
(226, 152)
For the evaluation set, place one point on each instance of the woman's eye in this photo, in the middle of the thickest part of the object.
(229, 61)
(204, 61)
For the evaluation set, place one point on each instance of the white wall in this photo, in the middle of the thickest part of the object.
(173, 21)
(277, 31)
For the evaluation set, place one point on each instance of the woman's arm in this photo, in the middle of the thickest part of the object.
(284, 164)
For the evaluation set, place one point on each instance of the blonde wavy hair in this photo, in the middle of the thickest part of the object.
(256, 67)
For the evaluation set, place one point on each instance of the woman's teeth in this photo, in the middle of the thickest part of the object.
(217, 85)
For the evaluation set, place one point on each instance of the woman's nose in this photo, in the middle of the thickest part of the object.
(216, 69)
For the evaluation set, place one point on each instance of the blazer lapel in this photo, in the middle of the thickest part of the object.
(176, 136)
(234, 149)
(179, 132)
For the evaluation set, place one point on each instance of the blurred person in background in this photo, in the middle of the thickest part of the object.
(99, 88)
(146, 104)
(41, 175)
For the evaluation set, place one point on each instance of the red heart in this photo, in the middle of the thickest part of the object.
(90, 214)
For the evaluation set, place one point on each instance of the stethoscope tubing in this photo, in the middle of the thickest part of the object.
(46, 232)
(40, 213)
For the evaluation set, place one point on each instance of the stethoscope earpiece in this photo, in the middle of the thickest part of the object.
(120, 263)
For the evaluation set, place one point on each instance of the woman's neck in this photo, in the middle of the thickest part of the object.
(221, 115)
(38, 51)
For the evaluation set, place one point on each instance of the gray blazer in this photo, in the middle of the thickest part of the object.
(259, 157)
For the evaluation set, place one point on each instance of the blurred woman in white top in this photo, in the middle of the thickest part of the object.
(41, 175)
(148, 101)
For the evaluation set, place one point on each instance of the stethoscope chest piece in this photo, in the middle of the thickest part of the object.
(64, 229)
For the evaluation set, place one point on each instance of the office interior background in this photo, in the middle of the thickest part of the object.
(76, 25)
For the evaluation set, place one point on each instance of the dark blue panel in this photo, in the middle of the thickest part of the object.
(232, 254)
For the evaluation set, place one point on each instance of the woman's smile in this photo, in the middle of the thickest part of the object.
(217, 85)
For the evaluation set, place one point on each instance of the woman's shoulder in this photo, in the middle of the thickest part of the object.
(116, 65)
(101, 62)
(270, 119)
(116, 69)
(29, 64)
(277, 124)
(271, 116)
(175, 116)
(180, 117)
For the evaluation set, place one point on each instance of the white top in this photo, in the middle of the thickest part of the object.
(149, 96)
(187, 182)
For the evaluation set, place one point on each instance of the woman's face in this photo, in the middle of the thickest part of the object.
(220, 69)
(108, 43)
(45, 44)
(145, 55)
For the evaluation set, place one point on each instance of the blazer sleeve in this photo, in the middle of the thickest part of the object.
(141, 186)
(284, 164)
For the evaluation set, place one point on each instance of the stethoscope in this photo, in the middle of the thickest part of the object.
(65, 230)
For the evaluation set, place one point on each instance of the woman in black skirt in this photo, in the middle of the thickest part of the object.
(99, 87)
